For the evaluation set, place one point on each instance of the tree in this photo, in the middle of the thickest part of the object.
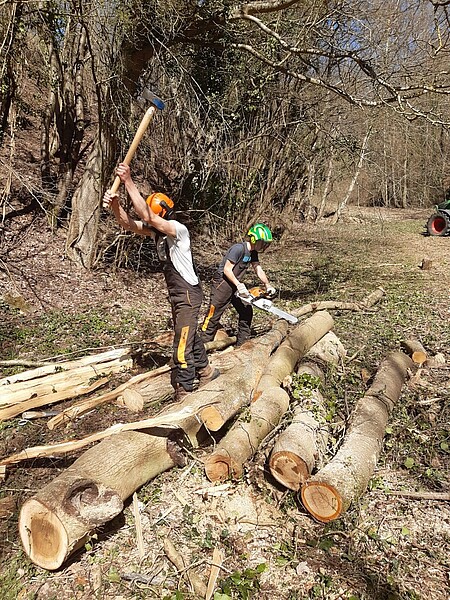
(259, 96)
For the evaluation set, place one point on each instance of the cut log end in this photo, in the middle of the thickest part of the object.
(419, 357)
(43, 536)
(321, 500)
(288, 469)
(220, 467)
(212, 418)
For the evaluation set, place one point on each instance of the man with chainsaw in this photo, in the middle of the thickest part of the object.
(227, 286)
(185, 293)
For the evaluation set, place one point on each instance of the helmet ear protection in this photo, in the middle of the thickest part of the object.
(161, 204)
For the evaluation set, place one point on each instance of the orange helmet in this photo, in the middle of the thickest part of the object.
(160, 204)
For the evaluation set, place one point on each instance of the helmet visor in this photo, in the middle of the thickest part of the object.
(261, 245)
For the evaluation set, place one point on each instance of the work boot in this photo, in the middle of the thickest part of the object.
(180, 393)
(207, 374)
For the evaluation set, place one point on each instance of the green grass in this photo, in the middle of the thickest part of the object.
(58, 332)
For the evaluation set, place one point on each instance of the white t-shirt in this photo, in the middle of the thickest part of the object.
(180, 253)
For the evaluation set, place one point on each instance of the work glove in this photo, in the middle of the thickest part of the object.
(271, 292)
(243, 291)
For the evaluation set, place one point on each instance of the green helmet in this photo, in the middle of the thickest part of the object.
(259, 232)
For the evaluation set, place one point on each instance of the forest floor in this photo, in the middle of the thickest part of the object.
(385, 547)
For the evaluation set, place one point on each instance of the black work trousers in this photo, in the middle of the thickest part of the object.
(223, 294)
(189, 353)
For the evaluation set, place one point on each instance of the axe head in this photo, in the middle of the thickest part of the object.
(151, 97)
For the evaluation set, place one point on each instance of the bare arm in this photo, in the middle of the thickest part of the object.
(123, 218)
(261, 274)
(141, 207)
(228, 272)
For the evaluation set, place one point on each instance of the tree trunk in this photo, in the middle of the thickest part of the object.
(415, 350)
(301, 446)
(330, 492)
(362, 155)
(326, 190)
(368, 302)
(56, 521)
(86, 204)
(269, 403)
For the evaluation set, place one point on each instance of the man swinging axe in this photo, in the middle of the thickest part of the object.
(157, 220)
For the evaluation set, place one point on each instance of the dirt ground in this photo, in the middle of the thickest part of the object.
(386, 546)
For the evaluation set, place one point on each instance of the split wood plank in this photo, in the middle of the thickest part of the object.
(136, 383)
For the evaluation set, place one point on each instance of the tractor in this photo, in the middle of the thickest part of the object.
(439, 222)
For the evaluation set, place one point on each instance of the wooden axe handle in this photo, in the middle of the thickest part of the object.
(135, 143)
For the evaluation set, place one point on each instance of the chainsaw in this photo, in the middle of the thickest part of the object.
(260, 300)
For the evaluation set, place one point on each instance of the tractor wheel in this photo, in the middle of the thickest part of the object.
(438, 224)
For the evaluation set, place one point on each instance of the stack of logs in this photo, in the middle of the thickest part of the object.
(57, 520)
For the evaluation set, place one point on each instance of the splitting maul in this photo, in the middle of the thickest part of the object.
(259, 300)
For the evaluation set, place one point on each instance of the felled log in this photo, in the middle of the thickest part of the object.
(269, 403)
(415, 350)
(328, 493)
(245, 364)
(368, 302)
(296, 449)
(56, 521)
(328, 350)
(300, 447)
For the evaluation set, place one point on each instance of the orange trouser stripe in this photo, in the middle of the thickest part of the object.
(212, 308)
(182, 347)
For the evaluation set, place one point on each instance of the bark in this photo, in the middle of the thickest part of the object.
(86, 204)
(332, 489)
(92, 490)
(328, 350)
(269, 403)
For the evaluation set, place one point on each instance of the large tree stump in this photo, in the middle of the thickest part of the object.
(269, 403)
(91, 492)
(328, 493)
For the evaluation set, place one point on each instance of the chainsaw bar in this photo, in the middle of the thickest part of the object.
(267, 305)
